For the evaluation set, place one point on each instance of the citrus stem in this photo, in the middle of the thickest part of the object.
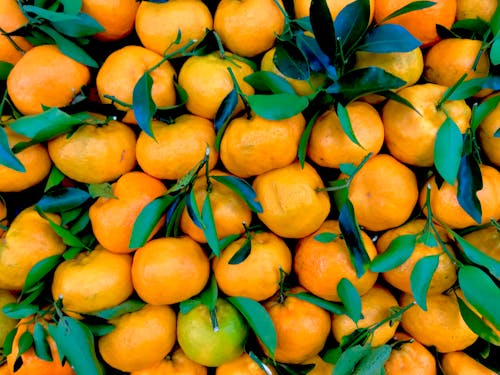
(240, 93)
(180, 52)
(116, 100)
(397, 314)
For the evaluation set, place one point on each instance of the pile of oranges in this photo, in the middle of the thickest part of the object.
(249, 187)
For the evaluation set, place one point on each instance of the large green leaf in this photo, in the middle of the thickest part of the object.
(345, 123)
(277, 106)
(476, 324)
(5, 69)
(40, 270)
(290, 61)
(7, 157)
(448, 150)
(142, 103)
(481, 111)
(469, 183)
(411, 7)
(332, 307)
(62, 199)
(350, 298)
(19, 310)
(224, 115)
(389, 38)
(269, 81)
(323, 27)
(373, 362)
(81, 25)
(398, 252)
(477, 256)
(126, 307)
(42, 348)
(349, 359)
(351, 23)
(420, 278)
(210, 230)
(243, 189)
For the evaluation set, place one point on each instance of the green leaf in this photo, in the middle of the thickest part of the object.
(476, 324)
(497, 133)
(481, 111)
(332, 355)
(470, 181)
(391, 95)
(209, 296)
(351, 23)
(325, 237)
(104, 190)
(5, 69)
(389, 38)
(68, 238)
(148, 219)
(189, 304)
(243, 252)
(81, 25)
(448, 150)
(71, 6)
(477, 256)
(193, 210)
(304, 139)
(42, 348)
(467, 89)
(258, 319)
(210, 230)
(411, 7)
(421, 277)
(54, 179)
(7, 157)
(259, 363)
(349, 359)
(398, 252)
(290, 61)
(9, 339)
(228, 240)
(350, 298)
(269, 81)
(345, 123)
(75, 342)
(25, 342)
(80, 223)
(40, 270)
(495, 52)
(277, 106)
(373, 362)
(62, 199)
(323, 28)
(352, 236)
(243, 189)
(19, 310)
(334, 308)
(224, 115)
(142, 103)
(481, 292)
(100, 330)
(128, 306)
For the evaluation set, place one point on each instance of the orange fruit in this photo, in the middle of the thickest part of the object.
(177, 147)
(321, 265)
(258, 276)
(410, 136)
(243, 365)
(31, 363)
(420, 23)
(158, 24)
(441, 325)
(292, 205)
(11, 16)
(116, 16)
(176, 363)
(6, 324)
(330, 147)
(252, 146)
(248, 27)
(383, 193)
(95, 153)
(29, 239)
(320, 366)
(140, 339)
(446, 208)
(35, 160)
(445, 274)
(122, 69)
(229, 210)
(485, 239)
(113, 219)
(486, 136)
(206, 345)
(93, 281)
(410, 358)
(207, 82)
(44, 76)
(4, 369)
(301, 7)
(301, 327)
(12, 48)
(449, 59)
(376, 305)
(169, 270)
(460, 363)
(483, 9)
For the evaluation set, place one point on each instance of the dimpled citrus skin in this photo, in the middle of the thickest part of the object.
(459, 363)
(411, 358)
(176, 363)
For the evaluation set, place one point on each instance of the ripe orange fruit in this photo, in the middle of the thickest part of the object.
(169, 270)
(11, 16)
(12, 48)
(301, 327)
(485, 239)
(252, 146)
(44, 76)
(460, 363)
(321, 367)
(243, 365)
(441, 325)
(140, 339)
(95, 153)
(35, 160)
(420, 23)
(383, 193)
(206, 345)
(483, 9)
(158, 24)
(229, 210)
(446, 208)
(6, 324)
(258, 276)
(376, 305)
(29, 239)
(32, 364)
(113, 219)
(486, 136)
(449, 59)
(301, 7)
(122, 69)
(207, 81)
(93, 281)
(176, 363)
(248, 27)
(411, 358)
(445, 274)
(292, 205)
(321, 265)
(116, 16)
(410, 136)
(330, 147)
(177, 147)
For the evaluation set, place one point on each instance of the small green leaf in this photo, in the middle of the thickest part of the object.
(9, 339)
(54, 179)
(104, 190)
(126, 307)
(448, 150)
(350, 298)
(334, 308)
(269, 81)
(481, 111)
(332, 355)
(209, 295)
(68, 238)
(476, 324)
(481, 292)
(142, 103)
(19, 310)
(258, 319)
(5, 69)
(470, 181)
(277, 106)
(81, 26)
(62, 199)
(420, 278)
(398, 252)
(477, 256)
(193, 210)
(391, 95)
(243, 189)
(348, 169)
(411, 7)
(323, 28)
(373, 362)
(42, 348)
(495, 52)
(349, 359)
(243, 252)
(389, 38)
(290, 61)
(210, 230)
(189, 304)
(228, 240)
(326, 237)
(25, 342)
(71, 6)
(304, 139)
(226, 110)
(7, 157)
(467, 88)
(259, 363)
(40, 270)
(345, 123)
